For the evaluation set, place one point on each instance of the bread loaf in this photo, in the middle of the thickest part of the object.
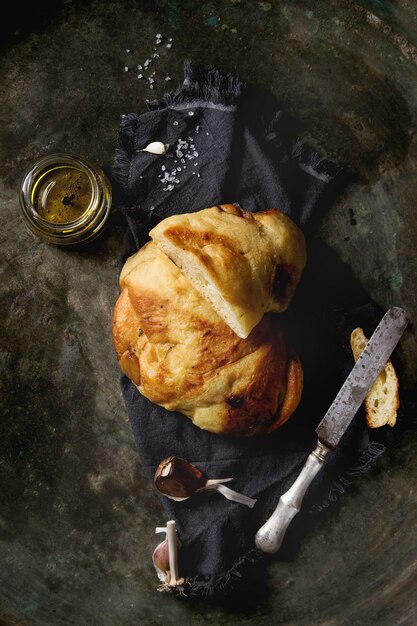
(382, 401)
(245, 264)
(180, 354)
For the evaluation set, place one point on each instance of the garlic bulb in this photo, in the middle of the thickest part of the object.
(155, 147)
(179, 480)
(160, 558)
(165, 557)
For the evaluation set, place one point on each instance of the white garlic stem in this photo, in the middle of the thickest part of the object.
(155, 147)
(234, 496)
(172, 540)
(173, 553)
(217, 481)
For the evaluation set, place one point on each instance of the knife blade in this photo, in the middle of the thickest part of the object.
(335, 423)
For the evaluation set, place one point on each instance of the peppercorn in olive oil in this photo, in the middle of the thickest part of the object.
(62, 194)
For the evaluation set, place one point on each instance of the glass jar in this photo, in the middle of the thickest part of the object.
(65, 200)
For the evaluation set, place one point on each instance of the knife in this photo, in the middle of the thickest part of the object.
(334, 424)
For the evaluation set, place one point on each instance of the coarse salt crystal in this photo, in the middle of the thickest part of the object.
(126, 68)
(190, 113)
(175, 123)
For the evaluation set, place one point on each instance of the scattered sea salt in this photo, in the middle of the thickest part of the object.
(190, 113)
(175, 123)
(147, 63)
(184, 150)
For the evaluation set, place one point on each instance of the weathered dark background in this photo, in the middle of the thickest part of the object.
(77, 515)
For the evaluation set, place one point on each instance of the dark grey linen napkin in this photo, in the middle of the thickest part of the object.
(230, 141)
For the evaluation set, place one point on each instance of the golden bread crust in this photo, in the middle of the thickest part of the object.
(244, 263)
(181, 355)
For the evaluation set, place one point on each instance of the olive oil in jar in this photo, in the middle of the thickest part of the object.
(65, 200)
(62, 194)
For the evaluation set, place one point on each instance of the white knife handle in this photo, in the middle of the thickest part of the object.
(269, 537)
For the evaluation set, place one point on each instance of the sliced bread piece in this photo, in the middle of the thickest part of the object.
(382, 401)
(245, 264)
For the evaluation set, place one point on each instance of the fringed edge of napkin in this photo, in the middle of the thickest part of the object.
(244, 571)
(203, 84)
(208, 86)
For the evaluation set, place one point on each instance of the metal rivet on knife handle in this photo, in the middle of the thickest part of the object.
(334, 424)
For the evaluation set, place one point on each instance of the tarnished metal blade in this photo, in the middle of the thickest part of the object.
(363, 375)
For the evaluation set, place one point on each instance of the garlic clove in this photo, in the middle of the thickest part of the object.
(177, 479)
(160, 558)
(156, 147)
(165, 557)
